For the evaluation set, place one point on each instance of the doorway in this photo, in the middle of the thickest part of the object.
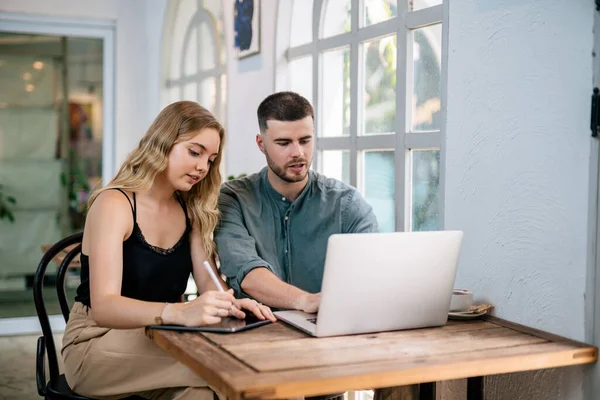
(56, 139)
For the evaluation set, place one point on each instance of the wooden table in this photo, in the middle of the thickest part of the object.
(277, 361)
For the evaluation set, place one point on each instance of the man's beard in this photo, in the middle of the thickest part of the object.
(281, 171)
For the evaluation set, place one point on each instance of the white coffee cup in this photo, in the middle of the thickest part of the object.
(462, 300)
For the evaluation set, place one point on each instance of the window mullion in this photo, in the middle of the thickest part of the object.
(317, 75)
(424, 17)
(380, 29)
(355, 119)
(444, 99)
(423, 140)
(402, 101)
(300, 51)
(376, 142)
(199, 97)
(198, 76)
(365, 34)
(334, 143)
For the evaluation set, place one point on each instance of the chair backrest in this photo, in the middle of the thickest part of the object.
(38, 283)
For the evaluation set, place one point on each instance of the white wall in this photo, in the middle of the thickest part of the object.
(518, 147)
(249, 81)
(131, 54)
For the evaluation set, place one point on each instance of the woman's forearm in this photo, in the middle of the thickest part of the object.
(118, 312)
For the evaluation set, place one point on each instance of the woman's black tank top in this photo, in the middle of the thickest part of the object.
(150, 273)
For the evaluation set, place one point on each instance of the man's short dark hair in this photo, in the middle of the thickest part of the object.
(283, 106)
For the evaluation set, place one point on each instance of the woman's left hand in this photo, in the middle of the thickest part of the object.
(261, 311)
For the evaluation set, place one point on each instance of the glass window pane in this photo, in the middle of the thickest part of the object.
(336, 164)
(28, 81)
(414, 5)
(427, 54)
(220, 113)
(208, 94)
(190, 62)
(375, 11)
(190, 92)
(379, 179)
(215, 7)
(379, 90)
(165, 97)
(335, 93)
(338, 17)
(207, 47)
(185, 12)
(301, 31)
(301, 77)
(425, 190)
(174, 94)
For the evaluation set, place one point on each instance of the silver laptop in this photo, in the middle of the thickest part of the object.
(376, 282)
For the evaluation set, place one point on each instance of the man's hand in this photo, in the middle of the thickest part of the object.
(264, 286)
(261, 311)
(308, 302)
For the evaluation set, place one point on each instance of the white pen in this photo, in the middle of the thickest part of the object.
(213, 276)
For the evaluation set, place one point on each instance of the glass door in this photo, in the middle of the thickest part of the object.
(50, 155)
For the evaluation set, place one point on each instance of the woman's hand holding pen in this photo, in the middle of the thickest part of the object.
(261, 311)
(207, 309)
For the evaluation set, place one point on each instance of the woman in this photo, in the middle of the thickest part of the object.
(145, 232)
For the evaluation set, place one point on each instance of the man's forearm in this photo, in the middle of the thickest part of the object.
(268, 289)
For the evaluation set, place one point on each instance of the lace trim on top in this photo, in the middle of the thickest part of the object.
(160, 250)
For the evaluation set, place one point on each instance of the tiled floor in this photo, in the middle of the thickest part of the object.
(17, 366)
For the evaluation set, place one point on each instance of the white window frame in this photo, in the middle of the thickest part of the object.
(402, 142)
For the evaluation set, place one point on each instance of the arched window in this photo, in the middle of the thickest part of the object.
(373, 71)
(193, 55)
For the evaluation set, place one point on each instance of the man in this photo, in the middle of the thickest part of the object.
(274, 226)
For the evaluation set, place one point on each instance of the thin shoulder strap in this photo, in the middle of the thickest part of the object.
(133, 206)
(182, 204)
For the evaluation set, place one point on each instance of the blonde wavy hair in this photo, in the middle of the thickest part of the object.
(177, 122)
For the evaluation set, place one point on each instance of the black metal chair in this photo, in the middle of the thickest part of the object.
(56, 388)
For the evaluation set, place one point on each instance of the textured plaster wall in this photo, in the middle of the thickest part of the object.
(517, 167)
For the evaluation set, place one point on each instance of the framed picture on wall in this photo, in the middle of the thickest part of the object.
(246, 14)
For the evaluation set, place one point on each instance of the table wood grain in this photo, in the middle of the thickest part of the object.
(278, 361)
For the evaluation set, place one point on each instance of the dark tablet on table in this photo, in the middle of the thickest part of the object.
(227, 325)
